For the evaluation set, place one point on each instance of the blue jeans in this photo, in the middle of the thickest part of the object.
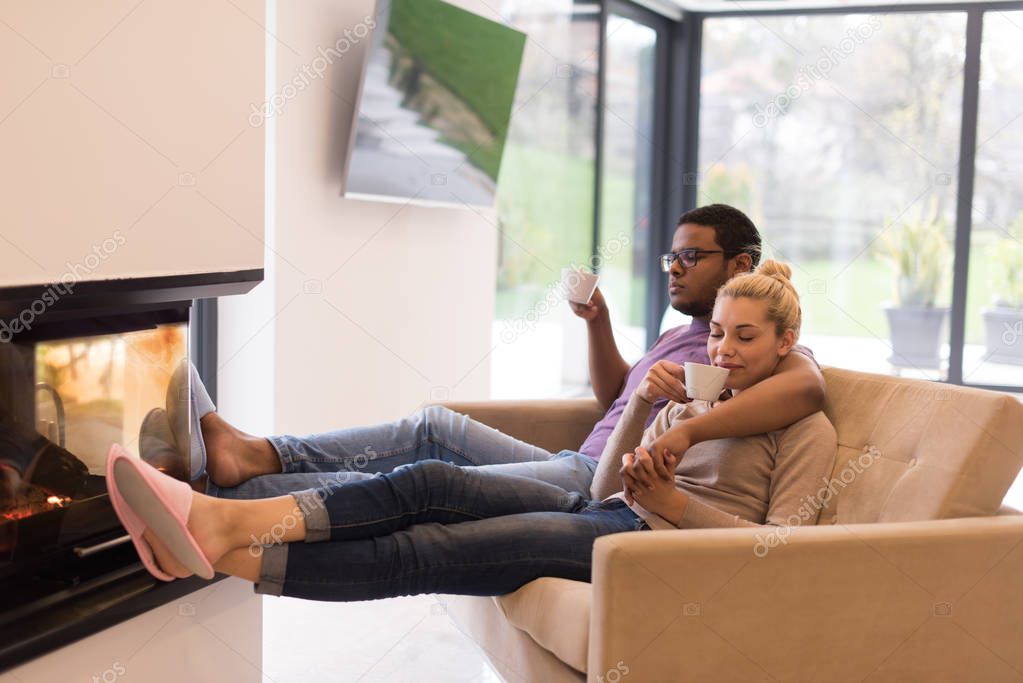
(434, 433)
(434, 527)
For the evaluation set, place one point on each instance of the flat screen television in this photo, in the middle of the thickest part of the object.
(434, 105)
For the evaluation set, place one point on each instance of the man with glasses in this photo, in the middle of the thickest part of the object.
(711, 244)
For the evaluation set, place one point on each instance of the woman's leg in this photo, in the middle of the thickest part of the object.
(430, 491)
(426, 492)
(490, 556)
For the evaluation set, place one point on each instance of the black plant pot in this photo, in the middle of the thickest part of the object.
(917, 333)
(1003, 334)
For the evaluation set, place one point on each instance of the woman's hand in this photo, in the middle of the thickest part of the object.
(590, 311)
(647, 478)
(643, 473)
(664, 379)
(674, 441)
(630, 484)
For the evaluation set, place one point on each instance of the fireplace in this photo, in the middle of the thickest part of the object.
(77, 374)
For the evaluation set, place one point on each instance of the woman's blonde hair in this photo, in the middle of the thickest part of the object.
(770, 282)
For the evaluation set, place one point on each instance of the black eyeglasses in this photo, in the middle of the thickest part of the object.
(689, 257)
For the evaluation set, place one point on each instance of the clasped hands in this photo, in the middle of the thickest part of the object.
(648, 473)
(647, 477)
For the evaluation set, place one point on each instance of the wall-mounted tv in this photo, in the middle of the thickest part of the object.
(434, 104)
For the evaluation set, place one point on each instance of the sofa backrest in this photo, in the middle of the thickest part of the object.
(913, 450)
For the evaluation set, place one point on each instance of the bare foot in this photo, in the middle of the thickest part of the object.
(232, 456)
(245, 563)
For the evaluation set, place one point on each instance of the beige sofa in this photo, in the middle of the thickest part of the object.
(913, 573)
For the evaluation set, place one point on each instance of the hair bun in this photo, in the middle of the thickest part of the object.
(777, 270)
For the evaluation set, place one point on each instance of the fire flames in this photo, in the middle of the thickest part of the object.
(35, 501)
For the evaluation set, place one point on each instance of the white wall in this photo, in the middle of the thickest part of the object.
(372, 308)
(126, 123)
(126, 150)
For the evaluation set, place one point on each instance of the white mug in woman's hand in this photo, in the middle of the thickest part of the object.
(705, 382)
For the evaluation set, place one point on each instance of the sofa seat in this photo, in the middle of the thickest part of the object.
(912, 572)
(556, 614)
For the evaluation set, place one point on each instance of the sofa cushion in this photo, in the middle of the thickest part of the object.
(512, 652)
(913, 450)
(556, 614)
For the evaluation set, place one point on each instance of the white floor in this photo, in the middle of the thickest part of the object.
(394, 641)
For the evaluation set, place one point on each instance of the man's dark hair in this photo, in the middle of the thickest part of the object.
(733, 229)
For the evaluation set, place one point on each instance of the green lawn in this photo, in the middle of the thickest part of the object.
(544, 203)
(476, 59)
(852, 303)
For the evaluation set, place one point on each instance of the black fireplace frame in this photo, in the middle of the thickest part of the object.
(127, 590)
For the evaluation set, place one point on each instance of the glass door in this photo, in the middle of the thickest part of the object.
(993, 344)
(845, 154)
(545, 198)
(631, 121)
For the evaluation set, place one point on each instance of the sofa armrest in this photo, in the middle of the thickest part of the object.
(553, 425)
(930, 600)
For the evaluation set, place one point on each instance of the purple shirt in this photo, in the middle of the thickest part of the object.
(678, 345)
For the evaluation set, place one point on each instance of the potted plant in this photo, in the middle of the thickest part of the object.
(1003, 321)
(917, 249)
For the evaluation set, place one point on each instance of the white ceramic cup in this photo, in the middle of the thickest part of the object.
(578, 285)
(705, 382)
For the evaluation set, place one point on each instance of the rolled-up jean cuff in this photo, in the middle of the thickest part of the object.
(317, 521)
(272, 570)
(280, 446)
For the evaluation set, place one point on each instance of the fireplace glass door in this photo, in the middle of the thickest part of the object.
(63, 402)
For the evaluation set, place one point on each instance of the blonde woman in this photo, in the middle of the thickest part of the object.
(433, 527)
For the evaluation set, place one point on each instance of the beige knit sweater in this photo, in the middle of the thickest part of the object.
(767, 479)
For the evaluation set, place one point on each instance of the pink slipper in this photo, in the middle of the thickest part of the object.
(145, 498)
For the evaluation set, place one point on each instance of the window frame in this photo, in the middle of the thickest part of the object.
(203, 338)
(665, 157)
(689, 46)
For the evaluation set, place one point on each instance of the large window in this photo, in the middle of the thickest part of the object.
(994, 312)
(840, 136)
(577, 187)
(627, 214)
(880, 152)
(546, 192)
